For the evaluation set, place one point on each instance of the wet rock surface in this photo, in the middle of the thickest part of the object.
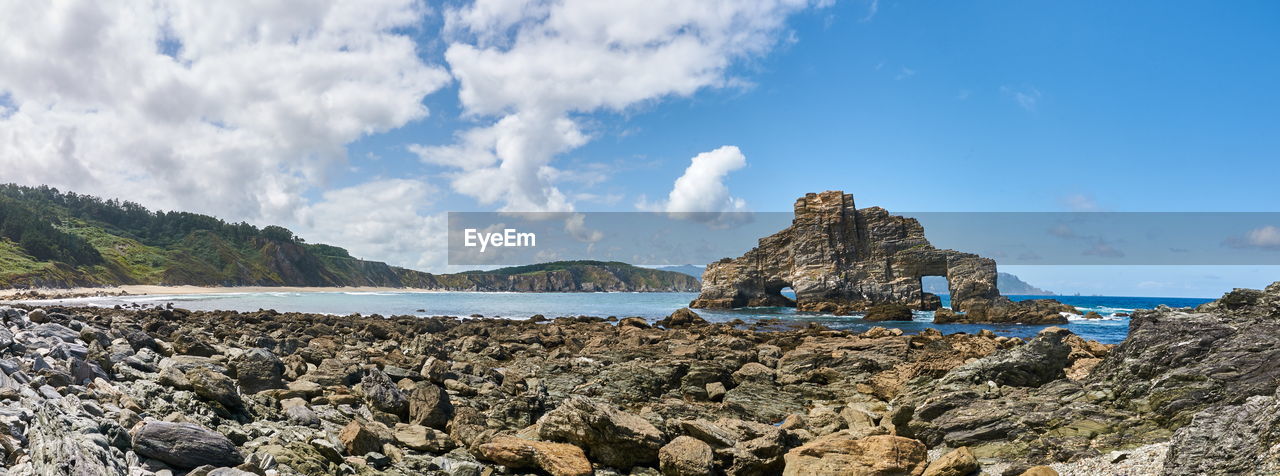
(167, 391)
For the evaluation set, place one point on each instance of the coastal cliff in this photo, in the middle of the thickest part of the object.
(51, 239)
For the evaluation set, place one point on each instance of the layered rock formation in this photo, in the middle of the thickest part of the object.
(166, 391)
(1203, 380)
(841, 259)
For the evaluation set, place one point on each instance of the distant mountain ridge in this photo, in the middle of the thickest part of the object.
(54, 239)
(1008, 284)
(691, 270)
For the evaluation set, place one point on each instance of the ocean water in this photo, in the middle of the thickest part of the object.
(652, 306)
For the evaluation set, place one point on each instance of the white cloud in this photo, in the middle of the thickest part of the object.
(380, 219)
(1079, 202)
(1265, 238)
(231, 108)
(700, 193)
(530, 66)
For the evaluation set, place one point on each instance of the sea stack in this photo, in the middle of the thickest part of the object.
(841, 259)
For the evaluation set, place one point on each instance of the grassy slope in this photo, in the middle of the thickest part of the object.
(208, 258)
(203, 258)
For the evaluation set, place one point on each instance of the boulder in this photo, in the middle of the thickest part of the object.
(302, 415)
(888, 312)
(637, 322)
(37, 316)
(752, 371)
(421, 438)
(750, 447)
(381, 393)
(556, 459)
(613, 438)
(53, 330)
(429, 405)
(683, 317)
(214, 386)
(1040, 361)
(435, 370)
(957, 462)
(258, 369)
(839, 454)
(360, 437)
(185, 445)
(686, 456)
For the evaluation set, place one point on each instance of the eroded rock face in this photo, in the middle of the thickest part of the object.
(1205, 376)
(614, 438)
(841, 259)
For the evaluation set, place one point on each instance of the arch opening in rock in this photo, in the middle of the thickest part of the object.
(843, 260)
(932, 288)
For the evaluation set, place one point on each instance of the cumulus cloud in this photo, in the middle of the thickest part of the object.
(700, 193)
(1263, 238)
(234, 108)
(525, 68)
(380, 218)
(702, 188)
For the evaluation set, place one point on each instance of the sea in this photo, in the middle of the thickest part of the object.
(1112, 328)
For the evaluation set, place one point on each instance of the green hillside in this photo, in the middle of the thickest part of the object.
(50, 238)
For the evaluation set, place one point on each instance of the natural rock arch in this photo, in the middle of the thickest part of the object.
(840, 259)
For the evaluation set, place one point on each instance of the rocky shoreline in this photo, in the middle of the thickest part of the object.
(176, 392)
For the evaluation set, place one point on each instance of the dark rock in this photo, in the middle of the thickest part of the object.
(1031, 311)
(214, 386)
(429, 405)
(1040, 361)
(259, 369)
(683, 317)
(888, 312)
(1229, 439)
(382, 394)
(55, 331)
(634, 322)
(185, 445)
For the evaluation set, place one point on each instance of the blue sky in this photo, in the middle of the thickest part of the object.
(364, 130)
(1136, 106)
